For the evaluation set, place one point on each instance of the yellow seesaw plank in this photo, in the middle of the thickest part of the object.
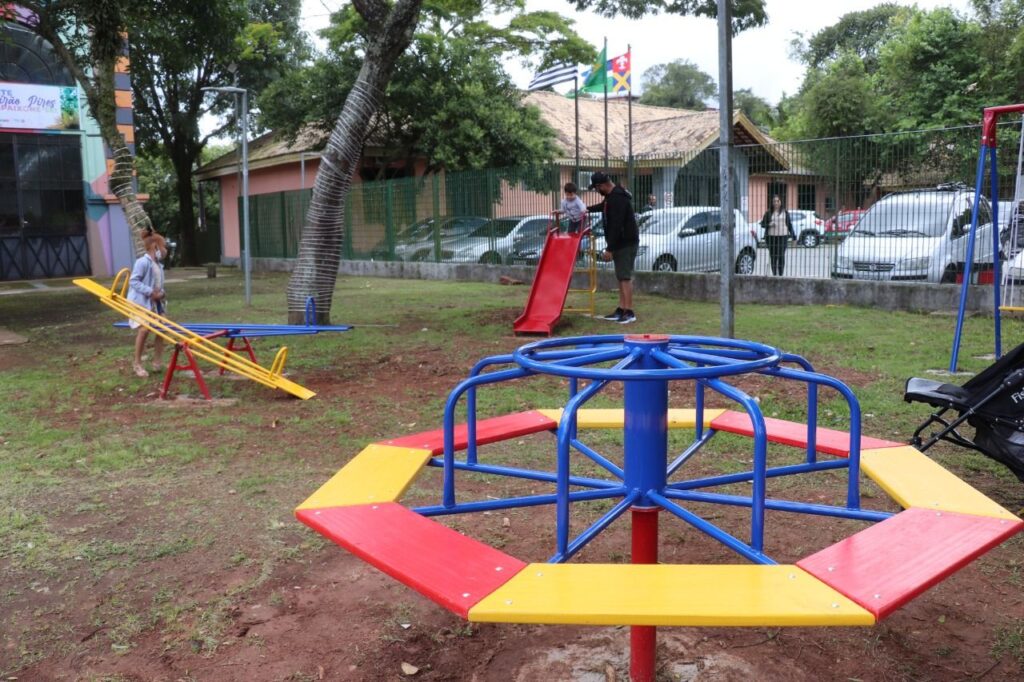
(201, 347)
(601, 418)
(914, 480)
(380, 473)
(662, 594)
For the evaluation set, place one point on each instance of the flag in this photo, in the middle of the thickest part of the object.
(559, 73)
(621, 72)
(596, 79)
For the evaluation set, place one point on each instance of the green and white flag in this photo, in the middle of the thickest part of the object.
(596, 80)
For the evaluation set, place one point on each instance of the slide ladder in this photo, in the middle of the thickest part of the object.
(551, 283)
(197, 345)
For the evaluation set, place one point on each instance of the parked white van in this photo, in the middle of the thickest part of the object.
(917, 235)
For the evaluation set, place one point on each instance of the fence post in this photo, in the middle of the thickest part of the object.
(389, 218)
(436, 199)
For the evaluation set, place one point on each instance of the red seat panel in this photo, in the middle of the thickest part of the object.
(885, 566)
(793, 433)
(487, 431)
(441, 564)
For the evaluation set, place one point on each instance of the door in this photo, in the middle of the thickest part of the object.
(42, 207)
(698, 239)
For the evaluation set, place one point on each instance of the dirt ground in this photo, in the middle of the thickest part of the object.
(249, 594)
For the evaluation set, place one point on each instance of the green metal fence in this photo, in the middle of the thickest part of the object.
(922, 182)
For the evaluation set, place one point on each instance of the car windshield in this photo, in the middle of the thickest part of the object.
(908, 215)
(496, 228)
(456, 227)
(416, 231)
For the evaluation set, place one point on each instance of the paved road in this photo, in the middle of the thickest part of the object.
(802, 263)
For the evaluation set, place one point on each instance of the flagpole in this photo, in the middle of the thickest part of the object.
(605, 67)
(629, 105)
(576, 101)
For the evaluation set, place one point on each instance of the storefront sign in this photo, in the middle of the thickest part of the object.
(25, 106)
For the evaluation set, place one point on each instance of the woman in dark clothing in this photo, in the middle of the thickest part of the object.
(778, 229)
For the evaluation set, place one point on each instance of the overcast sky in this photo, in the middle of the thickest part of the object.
(761, 57)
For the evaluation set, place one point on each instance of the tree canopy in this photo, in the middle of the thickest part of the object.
(746, 13)
(448, 100)
(679, 84)
(180, 48)
(893, 69)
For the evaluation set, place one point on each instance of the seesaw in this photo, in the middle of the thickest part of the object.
(234, 331)
(191, 344)
(944, 523)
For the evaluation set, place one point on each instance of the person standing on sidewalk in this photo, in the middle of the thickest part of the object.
(778, 230)
(621, 240)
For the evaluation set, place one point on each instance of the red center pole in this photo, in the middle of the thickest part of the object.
(643, 638)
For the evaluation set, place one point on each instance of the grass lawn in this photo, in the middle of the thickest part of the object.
(140, 540)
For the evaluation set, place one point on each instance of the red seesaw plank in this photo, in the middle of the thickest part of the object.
(793, 433)
(885, 566)
(487, 431)
(441, 564)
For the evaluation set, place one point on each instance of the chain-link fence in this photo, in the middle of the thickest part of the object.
(892, 207)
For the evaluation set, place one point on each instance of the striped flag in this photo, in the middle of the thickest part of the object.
(559, 73)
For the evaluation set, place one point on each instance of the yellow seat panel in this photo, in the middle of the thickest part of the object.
(380, 473)
(663, 594)
(600, 418)
(914, 480)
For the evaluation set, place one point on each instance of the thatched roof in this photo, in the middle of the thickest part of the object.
(269, 149)
(658, 132)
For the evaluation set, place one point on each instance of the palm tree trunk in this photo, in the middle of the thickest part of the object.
(316, 268)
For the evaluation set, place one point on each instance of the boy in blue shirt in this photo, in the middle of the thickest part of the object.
(573, 208)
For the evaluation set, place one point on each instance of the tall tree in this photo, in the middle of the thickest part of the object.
(930, 70)
(88, 37)
(389, 30)
(180, 48)
(448, 100)
(757, 109)
(861, 33)
(680, 84)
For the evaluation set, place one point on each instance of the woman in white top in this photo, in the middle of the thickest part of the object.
(146, 288)
(778, 230)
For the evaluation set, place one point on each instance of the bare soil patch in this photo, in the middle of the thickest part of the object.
(199, 571)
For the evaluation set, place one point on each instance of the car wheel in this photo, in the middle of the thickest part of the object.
(490, 258)
(948, 275)
(745, 262)
(665, 264)
(810, 239)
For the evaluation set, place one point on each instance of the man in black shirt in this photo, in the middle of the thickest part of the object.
(621, 240)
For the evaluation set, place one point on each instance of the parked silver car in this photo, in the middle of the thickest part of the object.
(417, 241)
(688, 239)
(494, 241)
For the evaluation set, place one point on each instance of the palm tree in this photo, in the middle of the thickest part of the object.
(389, 30)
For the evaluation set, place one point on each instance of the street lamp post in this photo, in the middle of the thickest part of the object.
(247, 245)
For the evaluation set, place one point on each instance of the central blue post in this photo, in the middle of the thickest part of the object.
(645, 464)
(646, 422)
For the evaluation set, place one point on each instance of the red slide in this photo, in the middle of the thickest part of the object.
(550, 284)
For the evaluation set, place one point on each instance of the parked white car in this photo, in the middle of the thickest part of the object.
(917, 235)
(688, 239)
(808, 227)
(493, 241)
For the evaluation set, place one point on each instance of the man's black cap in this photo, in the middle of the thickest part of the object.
(598, 178)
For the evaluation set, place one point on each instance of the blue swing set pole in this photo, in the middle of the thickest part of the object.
(969, 259)
(988, 146)
(996, 297)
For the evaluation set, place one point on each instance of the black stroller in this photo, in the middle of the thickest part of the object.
(992, 402)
